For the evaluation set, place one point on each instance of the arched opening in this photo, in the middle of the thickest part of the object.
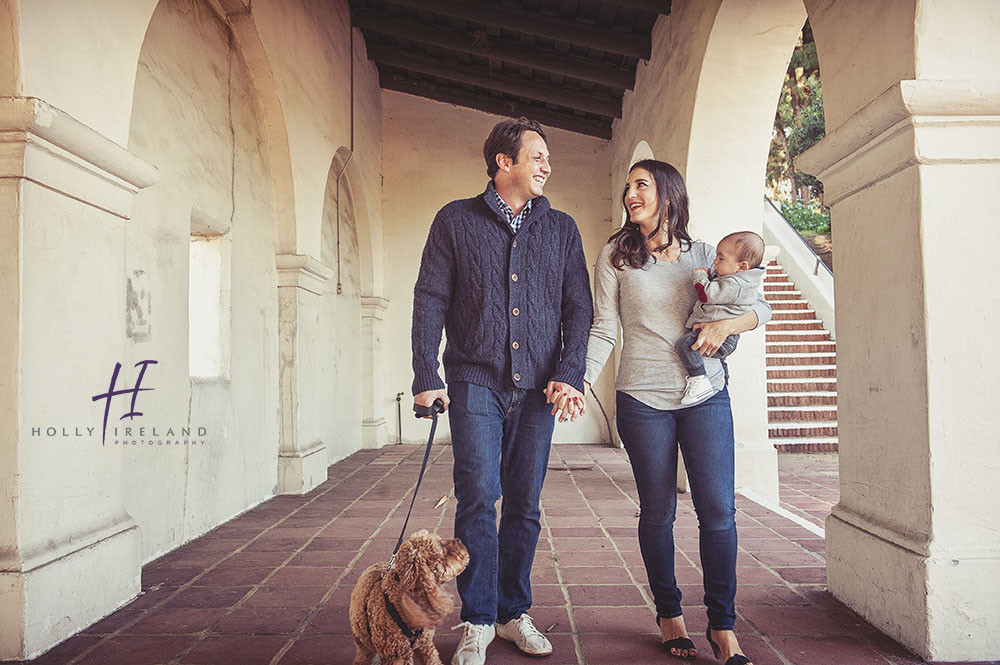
(339, 356)
(194, 117)
(801, 397)
(745, 58)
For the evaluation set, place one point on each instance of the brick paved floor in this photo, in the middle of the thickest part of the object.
(808, 484)
(271, 586)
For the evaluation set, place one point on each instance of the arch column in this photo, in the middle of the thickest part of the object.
(302, 457)
(374, 430)
(69, 552)
(914, 543)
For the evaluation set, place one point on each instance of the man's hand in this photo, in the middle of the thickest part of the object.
(711, 335)
(704, 270)
(427, 398)
(566, 400)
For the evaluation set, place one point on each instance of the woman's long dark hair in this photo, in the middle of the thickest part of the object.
(629, 242)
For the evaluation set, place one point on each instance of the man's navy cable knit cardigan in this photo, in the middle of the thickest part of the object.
(516, 307)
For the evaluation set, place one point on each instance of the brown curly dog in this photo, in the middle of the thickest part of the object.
(394, 612)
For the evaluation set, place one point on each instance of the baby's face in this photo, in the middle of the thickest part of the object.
(726, 262)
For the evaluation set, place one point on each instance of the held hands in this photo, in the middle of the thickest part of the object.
(566, 400)
(711, 335)
(704, 270)
(427, 398)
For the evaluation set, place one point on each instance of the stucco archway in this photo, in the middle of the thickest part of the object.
(745, 59)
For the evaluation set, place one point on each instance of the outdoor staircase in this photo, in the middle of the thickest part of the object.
(801, 371)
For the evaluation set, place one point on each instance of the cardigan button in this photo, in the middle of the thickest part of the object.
(515, 346)
(513, 277)
(517, 377)
(515, 311)
(514, 244)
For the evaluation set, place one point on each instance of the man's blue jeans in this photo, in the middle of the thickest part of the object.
(501, 441)
(705, 434)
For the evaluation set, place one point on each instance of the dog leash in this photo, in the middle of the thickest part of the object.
(419, 412)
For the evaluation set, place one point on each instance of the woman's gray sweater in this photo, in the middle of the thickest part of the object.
(652, 303)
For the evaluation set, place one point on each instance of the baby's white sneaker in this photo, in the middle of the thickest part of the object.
(697, 389)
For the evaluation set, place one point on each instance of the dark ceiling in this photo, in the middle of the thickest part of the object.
(564, 63)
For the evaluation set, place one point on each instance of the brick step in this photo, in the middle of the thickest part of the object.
(811, 359)
(802, 398)
(782, 296)
(826, 371)
(773, 269)
(817, 444)
(803, 347)
(801, 414)
(805, 385)
(793, 323)
(776, 285)
(783, 336)
(798, 431)
(790, 304)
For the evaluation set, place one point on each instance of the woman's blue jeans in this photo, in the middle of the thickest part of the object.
(705, 434)
(501, 441)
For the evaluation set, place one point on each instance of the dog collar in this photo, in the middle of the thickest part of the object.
(412, 635)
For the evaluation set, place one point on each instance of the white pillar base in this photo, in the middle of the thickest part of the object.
(55, 592)
(943, 607)
(300, 471)
(757, 470)
(374, 434)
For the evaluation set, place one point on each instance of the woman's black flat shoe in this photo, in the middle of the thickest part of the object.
(681, 643)
(738, 659)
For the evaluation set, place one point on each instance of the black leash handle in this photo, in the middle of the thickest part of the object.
(420, 412)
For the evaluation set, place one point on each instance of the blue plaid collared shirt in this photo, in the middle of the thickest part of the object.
(508, 212)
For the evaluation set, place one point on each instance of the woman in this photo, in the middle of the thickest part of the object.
(643, 279)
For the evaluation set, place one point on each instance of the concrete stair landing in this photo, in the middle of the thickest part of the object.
(801, 371)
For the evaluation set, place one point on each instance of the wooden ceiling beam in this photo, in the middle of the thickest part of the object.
(651, 6)
(451, 70)
(570, 32)
(487, 104)
(585, 69)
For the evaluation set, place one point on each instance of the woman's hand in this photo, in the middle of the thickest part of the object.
(711, 335)
(567, 402)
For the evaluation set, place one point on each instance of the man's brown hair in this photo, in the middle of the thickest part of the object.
(505, 139)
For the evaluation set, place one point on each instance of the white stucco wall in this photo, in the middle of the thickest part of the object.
(433, 155)
(181, 107)
(194, 118)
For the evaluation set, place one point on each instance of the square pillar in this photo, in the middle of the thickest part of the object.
(374, 430)
(302, 456)
(69, 552)
(914, 543)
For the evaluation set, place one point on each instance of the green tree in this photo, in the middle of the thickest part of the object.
(798, 124)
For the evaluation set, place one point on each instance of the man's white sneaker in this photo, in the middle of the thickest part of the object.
(697, 389)
(472, 648)
(522, 632)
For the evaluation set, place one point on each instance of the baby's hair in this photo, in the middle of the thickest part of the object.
(749, 247)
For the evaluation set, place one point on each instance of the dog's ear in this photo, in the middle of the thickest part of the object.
(455, 559)
(425, 610)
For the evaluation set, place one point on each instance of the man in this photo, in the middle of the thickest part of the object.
(505, 275)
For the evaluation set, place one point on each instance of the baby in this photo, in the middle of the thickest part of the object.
(732, 292)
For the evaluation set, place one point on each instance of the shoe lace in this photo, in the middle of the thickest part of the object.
(527, 625)
(472, 637)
